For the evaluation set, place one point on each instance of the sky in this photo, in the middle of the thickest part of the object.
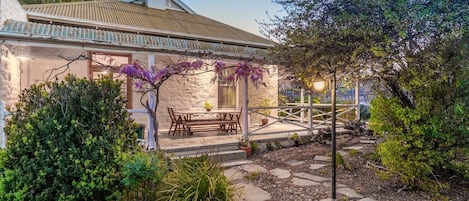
(238, 13)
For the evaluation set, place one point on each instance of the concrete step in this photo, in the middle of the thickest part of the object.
(235, 163)
(222, 156)
(202, 148)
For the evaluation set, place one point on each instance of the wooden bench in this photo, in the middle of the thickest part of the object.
(210, 125)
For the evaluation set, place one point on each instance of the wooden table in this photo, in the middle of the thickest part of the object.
(220, 120)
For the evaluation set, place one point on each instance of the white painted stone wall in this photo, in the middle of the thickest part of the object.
(11, 9)
(191, 92)
(9, 76)
(180, 93)
(42, 60)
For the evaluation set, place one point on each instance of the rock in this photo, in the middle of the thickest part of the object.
(280, 173)
(253, 168)
(368, 141)
(303, 182)
(311, 177)
(294, 163)
(350, 193)
(233, 174)
(343, 153)
(317, 166)
(367, 199)
(322, 158)
(353, 147)
(250, 192)
(329, 185)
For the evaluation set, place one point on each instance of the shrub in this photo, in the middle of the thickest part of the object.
(66, 141)
(195, 179)
(142, 173)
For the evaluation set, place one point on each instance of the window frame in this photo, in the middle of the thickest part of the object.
(96, 68)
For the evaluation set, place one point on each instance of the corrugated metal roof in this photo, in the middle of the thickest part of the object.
(139, 16)
(86, 35)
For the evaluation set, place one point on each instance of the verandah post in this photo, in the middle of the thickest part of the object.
(245, 110)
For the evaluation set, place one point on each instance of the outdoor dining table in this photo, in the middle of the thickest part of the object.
(223, 119)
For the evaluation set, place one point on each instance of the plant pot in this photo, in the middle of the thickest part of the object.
(208, 110)
(247, 149)
(264, 122)
(297, 143)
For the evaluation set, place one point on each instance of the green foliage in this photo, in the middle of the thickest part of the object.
(431, 137)
(254, 146)
(207, 105)
(195, 179)
(66, 142)
(341, 162)
(142, 173)
(251, 176)
(295, 136)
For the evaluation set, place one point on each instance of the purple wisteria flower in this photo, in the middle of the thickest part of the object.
(153, 75)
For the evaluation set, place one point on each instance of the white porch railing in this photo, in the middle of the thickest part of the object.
(301, 118)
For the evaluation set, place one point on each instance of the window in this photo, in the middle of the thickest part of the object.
(226, 92)
(102, 64)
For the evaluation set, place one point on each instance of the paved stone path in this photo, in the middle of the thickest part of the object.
(249, 192)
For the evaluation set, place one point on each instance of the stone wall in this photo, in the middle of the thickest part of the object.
(191, 92)
(180, 93)
(9, 76)
(11, 9)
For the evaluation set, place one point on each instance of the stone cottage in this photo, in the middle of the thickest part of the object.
(44, 41)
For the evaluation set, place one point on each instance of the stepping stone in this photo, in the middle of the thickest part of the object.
(326, 199)
(329, 185)
(294, 162)
(233, 174)
(253, 168)
(367, 199)
(303, 182)
(250, 192)
(354, 147)
(343, 153)
(367, 138)
(368, 141)
(280, 173)
(350, 193)
(322, 158)
(311, 177)
(317, 166)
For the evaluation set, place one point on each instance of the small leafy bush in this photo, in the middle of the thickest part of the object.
(66, 142)
(142, 173)
(195, 179)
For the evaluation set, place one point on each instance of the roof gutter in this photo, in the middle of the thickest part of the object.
(84, 22)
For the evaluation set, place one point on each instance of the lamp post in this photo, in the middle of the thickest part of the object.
(319, 84)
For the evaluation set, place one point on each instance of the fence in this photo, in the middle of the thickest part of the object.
(302, 118)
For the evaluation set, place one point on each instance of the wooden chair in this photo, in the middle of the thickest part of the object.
(237, 117)
(177, 122)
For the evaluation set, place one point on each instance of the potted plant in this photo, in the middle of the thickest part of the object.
(266, 112)
(208, 106)
(296, 139)
(245, 146)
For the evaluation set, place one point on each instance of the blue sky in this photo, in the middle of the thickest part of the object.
(238, 13)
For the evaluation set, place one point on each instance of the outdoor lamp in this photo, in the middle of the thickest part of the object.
(319, 83)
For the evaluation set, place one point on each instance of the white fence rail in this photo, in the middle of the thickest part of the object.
(301, 118)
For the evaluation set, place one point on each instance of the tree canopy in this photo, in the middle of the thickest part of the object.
(416, 54)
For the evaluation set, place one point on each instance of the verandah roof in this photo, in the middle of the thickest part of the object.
(29, 30)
